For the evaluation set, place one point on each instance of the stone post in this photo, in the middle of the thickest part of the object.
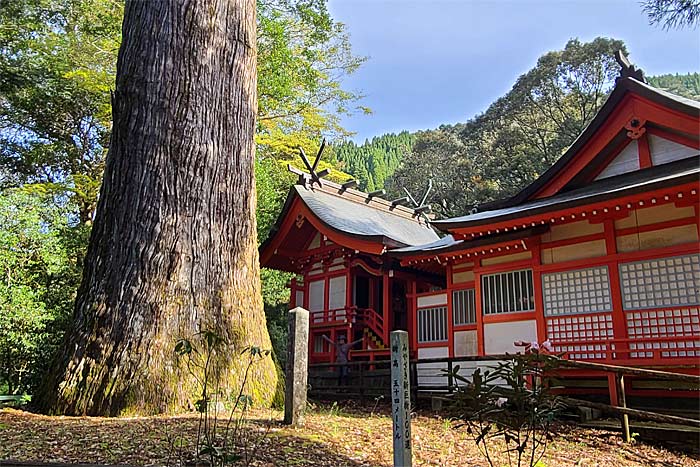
(297, 366)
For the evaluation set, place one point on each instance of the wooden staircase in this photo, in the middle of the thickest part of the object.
(372, 341)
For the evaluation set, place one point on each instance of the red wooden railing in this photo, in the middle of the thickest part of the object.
(371, 319)
(330, 317)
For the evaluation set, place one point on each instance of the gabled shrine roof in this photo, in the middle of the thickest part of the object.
(623, 87)
(542, 193)
(355, 215)
(348, 217)
(675, 173)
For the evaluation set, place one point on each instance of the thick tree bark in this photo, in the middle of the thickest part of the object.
(173, 249)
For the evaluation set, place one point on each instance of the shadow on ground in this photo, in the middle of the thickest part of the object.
(162, 441)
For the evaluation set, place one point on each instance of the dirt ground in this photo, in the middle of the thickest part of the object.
(331, 436)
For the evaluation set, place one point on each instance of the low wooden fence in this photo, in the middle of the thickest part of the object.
(371, 380)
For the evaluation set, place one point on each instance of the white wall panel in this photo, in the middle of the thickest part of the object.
(336, 293)
(499, 337)
(432, 300)
(317, 291)
(430, 373)
(465, 343)
(663, 150)
(626, 161)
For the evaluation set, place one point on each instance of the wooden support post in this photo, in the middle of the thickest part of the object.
(450, 382)
(386, 303)
(362, 378)
(401, 399)
(612, 389)
(624, 419)
(297, 366)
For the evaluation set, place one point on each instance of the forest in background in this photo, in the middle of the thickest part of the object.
(58, 63)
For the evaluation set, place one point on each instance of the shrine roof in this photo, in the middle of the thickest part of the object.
(448, 243)
(623, 87)
(354, 214)
(350, 218)
(676, 173)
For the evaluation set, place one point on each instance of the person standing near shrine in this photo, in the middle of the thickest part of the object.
(342, 354)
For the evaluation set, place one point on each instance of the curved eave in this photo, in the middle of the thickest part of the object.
(293, 207)
(467, 248)
(586, 207)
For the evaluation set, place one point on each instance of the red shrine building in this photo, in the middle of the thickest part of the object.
(600, 255)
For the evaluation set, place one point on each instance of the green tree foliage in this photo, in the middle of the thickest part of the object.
(447, 161)
(58, 65)
(39, 270)
(672, 14)
(373, 162)
(519, 136)
(687, 85)
(58, 61)
(303, 54)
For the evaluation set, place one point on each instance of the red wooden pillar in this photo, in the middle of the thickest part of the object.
(450, 320)
(349, 316)
(479, 314)
(618, 314)
(293, 293)
(326, 295)
(644, 152)
(537, 290)
(412, 318)
(385, 306)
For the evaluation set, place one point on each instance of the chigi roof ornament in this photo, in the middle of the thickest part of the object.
(420, 209)
(627, 69)
(312, 176)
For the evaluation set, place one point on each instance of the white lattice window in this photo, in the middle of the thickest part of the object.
(652, 327)
(432, 324)
(581, 335)
(662, 282)
(664, 323)
(464, 307)
(579, 291)
(507, 292)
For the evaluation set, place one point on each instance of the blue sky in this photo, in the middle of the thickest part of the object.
(443, 61)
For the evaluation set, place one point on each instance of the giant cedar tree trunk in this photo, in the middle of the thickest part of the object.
(173, 248)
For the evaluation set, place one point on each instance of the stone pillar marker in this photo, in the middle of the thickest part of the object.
(296, 374)
(401, 399)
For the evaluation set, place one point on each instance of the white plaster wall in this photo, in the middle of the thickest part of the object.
(336, 294)
(499, 337)
(429, 373)
(316, 295)
(465, 343)
(626, 161)
(663, 150)
(432, 300)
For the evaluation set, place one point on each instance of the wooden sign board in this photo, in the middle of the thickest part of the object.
(401, 399)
